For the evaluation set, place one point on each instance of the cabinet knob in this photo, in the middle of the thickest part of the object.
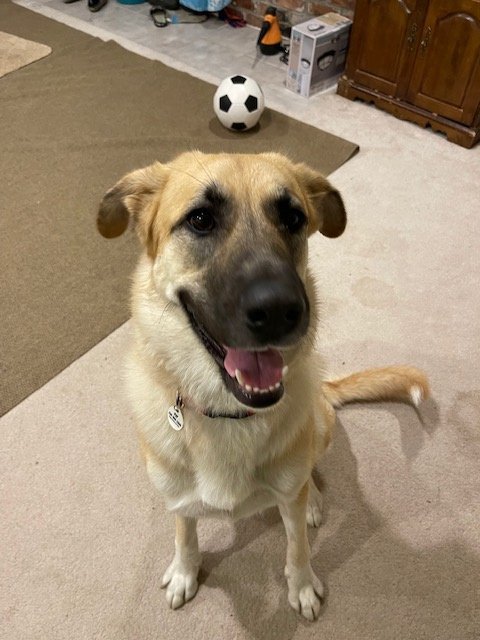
(426, 40)
(412, 36)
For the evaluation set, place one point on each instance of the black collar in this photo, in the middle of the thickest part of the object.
(240, 415)
(231, 416)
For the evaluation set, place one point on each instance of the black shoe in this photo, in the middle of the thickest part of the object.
(159, 17)
(96, 5)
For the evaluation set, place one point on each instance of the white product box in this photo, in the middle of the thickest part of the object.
(318, 50)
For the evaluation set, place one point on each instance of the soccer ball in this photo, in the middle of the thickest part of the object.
(238, 103)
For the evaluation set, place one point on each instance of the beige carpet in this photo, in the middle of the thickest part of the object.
(16, 52)
(70, 128)
(85, 540)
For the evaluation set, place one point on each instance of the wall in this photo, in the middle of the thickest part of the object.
(290, 12)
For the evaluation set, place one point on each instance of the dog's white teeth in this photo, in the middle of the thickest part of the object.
(284, 371)
(239, 377)
(249, 389)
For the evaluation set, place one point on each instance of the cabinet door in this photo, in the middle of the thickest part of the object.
(384, 39)
(446, 75)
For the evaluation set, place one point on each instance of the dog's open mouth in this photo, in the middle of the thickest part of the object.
(254, 377)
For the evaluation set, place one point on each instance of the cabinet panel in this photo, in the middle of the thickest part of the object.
(446, 74)
(419, 60)
(384, 39)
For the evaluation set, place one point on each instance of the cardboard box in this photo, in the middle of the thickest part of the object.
(318, 50)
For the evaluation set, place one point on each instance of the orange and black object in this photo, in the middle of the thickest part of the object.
(270, 37)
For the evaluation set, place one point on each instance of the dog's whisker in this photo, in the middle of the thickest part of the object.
(166, 308)
(164, 311)
(194, 177)
(191, 175)
(197, 155)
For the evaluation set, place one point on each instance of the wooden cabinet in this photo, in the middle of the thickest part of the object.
(419, 60)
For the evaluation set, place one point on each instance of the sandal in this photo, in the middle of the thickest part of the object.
(159, 16)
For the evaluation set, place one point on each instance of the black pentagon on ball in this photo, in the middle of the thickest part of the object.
(225, 103)
(251, 103)
(238, 126)
(238, 79)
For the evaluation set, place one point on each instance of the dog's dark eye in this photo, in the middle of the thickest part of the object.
(201, 221)
(291, 219)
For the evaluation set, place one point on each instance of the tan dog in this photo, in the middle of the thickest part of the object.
(229, 402)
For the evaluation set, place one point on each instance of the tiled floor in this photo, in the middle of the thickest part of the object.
(212, 49)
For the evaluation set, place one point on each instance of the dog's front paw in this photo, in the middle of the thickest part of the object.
(305, 592)
(181, 582)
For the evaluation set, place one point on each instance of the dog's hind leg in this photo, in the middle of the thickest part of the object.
(181, 576)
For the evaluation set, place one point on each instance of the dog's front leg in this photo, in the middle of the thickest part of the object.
(181, 576)
(304, 588)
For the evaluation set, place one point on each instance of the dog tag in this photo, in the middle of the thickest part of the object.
(175, 417)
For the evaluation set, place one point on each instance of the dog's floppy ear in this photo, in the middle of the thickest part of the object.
(132, 196)
(330, 217)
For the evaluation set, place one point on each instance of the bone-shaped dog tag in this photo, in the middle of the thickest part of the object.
(175, 417)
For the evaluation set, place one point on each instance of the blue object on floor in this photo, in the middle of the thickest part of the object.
(131, 1)
(205, 5)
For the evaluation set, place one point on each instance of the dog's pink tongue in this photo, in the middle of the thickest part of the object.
(260, 369)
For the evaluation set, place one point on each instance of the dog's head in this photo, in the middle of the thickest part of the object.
(226, 236)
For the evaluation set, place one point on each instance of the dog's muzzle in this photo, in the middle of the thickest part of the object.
(257, 321)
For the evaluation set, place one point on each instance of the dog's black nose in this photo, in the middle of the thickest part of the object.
(274, 307)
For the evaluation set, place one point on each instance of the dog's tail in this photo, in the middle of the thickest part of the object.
(404, 383)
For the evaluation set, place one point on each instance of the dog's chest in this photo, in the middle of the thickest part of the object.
(222, 472)
(225, 463)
